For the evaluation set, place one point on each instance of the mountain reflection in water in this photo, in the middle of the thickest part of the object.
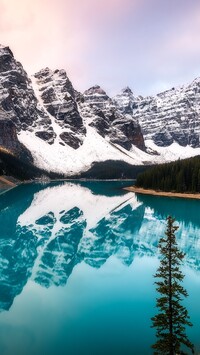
(46, 230)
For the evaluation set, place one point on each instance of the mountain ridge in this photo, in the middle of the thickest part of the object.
(67, 132)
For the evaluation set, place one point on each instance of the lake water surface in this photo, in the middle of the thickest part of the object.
(76, 268)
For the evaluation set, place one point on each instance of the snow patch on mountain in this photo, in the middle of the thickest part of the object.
(171, 153)
(67, 161)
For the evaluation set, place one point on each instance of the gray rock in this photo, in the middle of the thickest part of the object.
(171, 116)
(58, 97)
(110, 121)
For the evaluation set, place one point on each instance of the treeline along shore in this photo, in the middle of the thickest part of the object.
(180, 179)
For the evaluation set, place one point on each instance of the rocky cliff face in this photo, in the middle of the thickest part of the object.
(54, 101)
(67, 132)
(106, 117)
(171, 116)
(57, 96)
(37, 115)
(16, 93)
(9, 142)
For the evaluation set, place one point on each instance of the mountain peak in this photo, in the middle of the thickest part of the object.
(127, 90)
(95, 90)
(5, 50)
(43, 72)
(196, 81)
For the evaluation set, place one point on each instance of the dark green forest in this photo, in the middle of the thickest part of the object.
(178, 176)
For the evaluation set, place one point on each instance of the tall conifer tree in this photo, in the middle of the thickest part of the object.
(173, 317)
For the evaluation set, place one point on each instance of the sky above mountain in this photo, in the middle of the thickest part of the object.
(149, 45)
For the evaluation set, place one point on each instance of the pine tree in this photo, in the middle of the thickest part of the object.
(172, 318)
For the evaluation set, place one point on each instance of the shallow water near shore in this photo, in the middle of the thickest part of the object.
(77, 261)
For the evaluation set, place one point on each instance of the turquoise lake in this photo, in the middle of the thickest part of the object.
(77, 261)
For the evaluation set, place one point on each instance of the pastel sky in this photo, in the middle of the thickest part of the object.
(149, 45)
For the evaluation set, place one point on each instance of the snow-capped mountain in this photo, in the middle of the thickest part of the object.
(171, 116)
(63, 131)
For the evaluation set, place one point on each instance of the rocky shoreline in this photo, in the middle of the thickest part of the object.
(140, 190)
